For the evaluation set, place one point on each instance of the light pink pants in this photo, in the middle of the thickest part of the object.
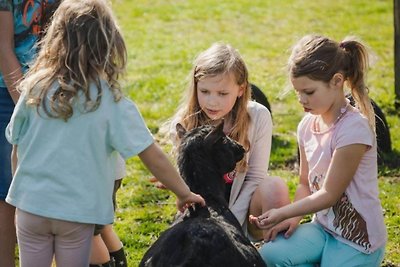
(41, 238)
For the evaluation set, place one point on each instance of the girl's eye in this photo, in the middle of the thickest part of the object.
(203, 91)
(223, 94)
(303, 92)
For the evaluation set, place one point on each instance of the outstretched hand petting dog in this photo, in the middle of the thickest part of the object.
(159, 165)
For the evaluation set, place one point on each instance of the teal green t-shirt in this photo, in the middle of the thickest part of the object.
(66, 170)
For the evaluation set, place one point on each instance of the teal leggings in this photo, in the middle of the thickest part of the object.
(310, 245)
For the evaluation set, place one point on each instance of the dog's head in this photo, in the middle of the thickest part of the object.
(208, 146)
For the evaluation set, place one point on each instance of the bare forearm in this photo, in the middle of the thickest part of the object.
(160, 166)
(318, 201)
(14, 159)
(10, 67)
(11, 71)
(302, 191)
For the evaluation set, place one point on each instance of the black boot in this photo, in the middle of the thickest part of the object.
(110, 263)
(119, 258)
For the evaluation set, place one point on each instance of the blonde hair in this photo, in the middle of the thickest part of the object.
(219, 59)
(82, 45)
(319, 58)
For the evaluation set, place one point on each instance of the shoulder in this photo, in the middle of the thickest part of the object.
(109, 103)
(354, 128)
(258, 112)
(260, 121)
(353, 121)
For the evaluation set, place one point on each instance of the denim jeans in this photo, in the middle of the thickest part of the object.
(6, 109)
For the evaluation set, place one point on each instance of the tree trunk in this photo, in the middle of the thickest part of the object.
(396, 12)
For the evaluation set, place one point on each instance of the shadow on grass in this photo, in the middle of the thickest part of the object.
(389, 163)
(283, 154)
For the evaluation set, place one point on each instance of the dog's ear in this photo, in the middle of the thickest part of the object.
(180, 130)
(217, 133)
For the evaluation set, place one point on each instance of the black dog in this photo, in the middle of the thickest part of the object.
(258, 96)
(384, 143)
(205, 236)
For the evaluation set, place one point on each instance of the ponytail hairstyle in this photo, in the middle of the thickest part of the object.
(219, 59)
(319, 58)
(82, 45)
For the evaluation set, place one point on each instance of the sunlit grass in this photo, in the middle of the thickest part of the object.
(163, 37)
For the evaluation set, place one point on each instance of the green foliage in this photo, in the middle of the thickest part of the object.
(163, 38)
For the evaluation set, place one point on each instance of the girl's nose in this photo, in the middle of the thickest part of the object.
(212, 100)
(302, 99)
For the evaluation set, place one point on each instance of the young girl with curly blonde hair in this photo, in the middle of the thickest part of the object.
(67, 129)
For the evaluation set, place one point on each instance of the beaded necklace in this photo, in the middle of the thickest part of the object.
(343, 111)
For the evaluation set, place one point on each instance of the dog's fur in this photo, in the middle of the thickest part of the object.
(258, 96)
(384, 143)
(205, 236)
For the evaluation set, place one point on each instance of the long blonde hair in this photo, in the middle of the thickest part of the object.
(218, 59)
(82, 45)
(319, 58)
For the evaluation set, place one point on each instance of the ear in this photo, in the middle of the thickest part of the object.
(180, 130)
(241, 90)
(217, 133)
(337, 80)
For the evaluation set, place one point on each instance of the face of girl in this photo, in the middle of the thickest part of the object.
(217, 95)
(316, 97)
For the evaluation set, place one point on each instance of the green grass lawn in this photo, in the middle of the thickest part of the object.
(163, 38)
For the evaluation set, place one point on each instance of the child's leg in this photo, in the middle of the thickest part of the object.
(110, 238)
(7, 235)
(349, 256)
(99, 255)
(35, 240)
(72, 243)
(114, 245)
(303, 248)
(271, 193)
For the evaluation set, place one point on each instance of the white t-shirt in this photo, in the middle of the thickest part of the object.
(121, 168)
(356, 219)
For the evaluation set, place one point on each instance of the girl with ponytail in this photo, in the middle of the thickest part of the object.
(338, 164)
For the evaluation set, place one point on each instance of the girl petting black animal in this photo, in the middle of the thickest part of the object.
(211, 235)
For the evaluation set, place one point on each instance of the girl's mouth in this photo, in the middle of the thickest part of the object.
(212, 114)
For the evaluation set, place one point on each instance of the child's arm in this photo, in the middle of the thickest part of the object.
(343, 166)
(303, 188)
(14, 159)
(159, 165)
(289, 225)
(9, 64)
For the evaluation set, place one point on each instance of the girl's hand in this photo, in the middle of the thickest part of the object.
(267, 220)
(192, 198)
(288, 226)
(157, 183)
